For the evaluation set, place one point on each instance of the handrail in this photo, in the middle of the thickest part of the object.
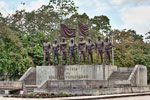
(27, 73)
(133, 73)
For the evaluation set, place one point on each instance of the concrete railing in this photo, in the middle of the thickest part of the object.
(27, 73)
(29, 77)
(138, 76)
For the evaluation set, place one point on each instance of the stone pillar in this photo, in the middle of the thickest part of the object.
(142, 75)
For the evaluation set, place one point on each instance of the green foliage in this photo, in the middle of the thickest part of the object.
(14, 59)
(63, 93)
(130, 49)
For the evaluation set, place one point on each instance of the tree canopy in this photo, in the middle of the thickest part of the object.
(14, 59)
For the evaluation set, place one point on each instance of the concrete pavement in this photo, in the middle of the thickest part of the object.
(106, 97)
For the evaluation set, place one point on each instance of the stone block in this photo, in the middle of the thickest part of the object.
(73, 72)
(8, 85)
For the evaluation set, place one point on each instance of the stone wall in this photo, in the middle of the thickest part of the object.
(94, 87)
(73, 72)
(10, 85)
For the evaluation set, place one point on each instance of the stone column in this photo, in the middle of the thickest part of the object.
(143, 75)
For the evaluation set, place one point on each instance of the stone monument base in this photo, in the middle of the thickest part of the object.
(94, 87)
(85, 79)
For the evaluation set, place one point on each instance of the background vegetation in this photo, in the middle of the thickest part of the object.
(22, 35)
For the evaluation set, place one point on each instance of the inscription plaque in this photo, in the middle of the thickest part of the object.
(72, 72)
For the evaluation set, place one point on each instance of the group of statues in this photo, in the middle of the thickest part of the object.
(84, 49)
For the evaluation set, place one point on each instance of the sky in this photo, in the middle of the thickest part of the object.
(123, 14)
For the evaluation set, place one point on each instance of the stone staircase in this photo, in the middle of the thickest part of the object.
(30, 88)
(120, 78)
(29, 80)
(117, 75)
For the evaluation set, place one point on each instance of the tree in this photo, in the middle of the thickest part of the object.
(14, 59)
(101, 23)
(46, 18)
(147, 37)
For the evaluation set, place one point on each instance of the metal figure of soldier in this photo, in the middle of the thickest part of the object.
(63, 50)
(99, 46)
(72, 50)
(81, 49)
(55, 51)
(89, 50)
(107, 47)
(46, 50)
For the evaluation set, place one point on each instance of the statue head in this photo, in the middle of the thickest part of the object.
(89, 39)
(63, 39)
(99, 38)
(46, 39)
(55, 41)
(71, 40)
(81, 38)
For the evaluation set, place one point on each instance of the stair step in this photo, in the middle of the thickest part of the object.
(30, 88)
(117, 75)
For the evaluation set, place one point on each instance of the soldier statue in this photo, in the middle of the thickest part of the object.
(99, 46)
(72, 50)
(63, 50)
(89, 50)
(107, 47)
(55, 51)
(46, 51)
(81, 49)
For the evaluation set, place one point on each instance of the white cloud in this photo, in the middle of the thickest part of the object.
(33, 5)
(83, 2)
(92, 4)
(2, 4)
(92, 7)
(137, 18)
(101, 5)
(3, 8)
(117, 2)
(120, 2)
(37, 4)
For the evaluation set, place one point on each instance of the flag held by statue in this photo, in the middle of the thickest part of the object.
(67, 32)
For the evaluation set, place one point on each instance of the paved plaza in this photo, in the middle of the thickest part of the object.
(123, 98)
(130, 98)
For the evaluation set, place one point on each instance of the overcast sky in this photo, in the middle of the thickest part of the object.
(123, 14)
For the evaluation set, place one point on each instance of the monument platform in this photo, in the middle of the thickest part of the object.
(85, 79)
(73, 72)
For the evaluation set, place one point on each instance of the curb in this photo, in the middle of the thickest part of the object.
(105, 96)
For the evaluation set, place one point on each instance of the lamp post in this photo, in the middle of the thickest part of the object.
(112, 36)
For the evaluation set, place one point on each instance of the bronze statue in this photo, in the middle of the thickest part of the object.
(107, 47)
(72, 49)
(99, 46)
(46, 50)
(55, 51)
(89, 50)
(63, 50)
(81, 49)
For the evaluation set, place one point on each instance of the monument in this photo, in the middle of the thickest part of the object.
(55, 51)
(81, 49)
(99, 48)
(84, 79)
(107, 46)
(63, 50)
(46, 50)
(89, 50)
(72, 51)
